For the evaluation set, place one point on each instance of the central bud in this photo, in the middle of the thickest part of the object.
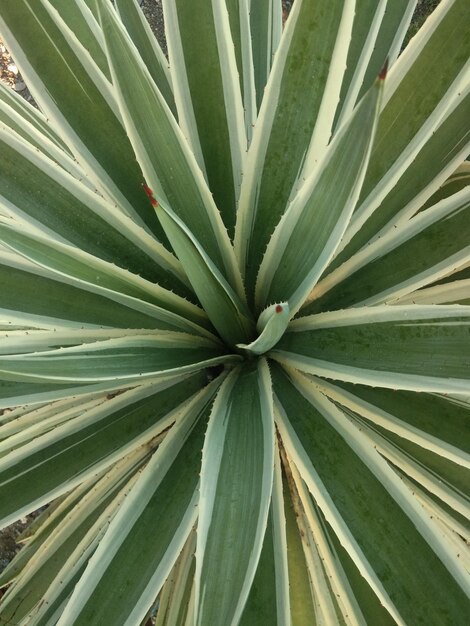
(271, 325)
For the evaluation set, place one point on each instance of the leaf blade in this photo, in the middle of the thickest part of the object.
(408, 521)
(312, 226)
(375, 340)
(222, 517)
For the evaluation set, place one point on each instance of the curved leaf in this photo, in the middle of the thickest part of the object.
(164, 154)
(418, 252)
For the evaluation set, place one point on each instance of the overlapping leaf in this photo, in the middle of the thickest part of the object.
(332, 486)
(320, 440)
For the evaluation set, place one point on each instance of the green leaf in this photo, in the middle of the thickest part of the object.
(438, 462)
(378, 31)
(148, 47)
(19, 115)
(34, 297)
(295, 119)
(61, 84)
(442, 477)
(261, 604)
(79, 19)
(164, 154)
(418, 252)
(47, 561)
(236, 483)
(404, 347)
(208, 95)
(269, 602)
(312, 226)
(430, 77)
(376, 518)
(433, 422)
(57, 461)
(266, 30)
(26, 393)
(240, 14)
(64, 208)
(132, 555)
(92, 274)
(417, 182)
(127, 358)
(459, 179)
(227, 312)
(364, 605)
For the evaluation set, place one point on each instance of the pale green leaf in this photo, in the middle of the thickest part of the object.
(37, 298)
(175, 600)
(312, 226)
(402, 347)
(66, 93)
(61, 206)
(129, 359)
(208, 95)
(227, 312)
(78, 17)
(430, 77)
(271, 325)
(164, 154)
(132, 555)
(266, 30)
(433, 422)
(269, 601)
(302, 609)
(54, 463)
(330, 590)
(17, 113)
(236, 483)
(240, 16)
(341, 604)
(148, 47)
(455, 292)
(92, 274)
(296, 114)
(378, 30)
(53, 549)
(416, 253)
(375, 517)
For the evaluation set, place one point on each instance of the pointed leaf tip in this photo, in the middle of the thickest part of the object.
(384, 70)
(150, 195)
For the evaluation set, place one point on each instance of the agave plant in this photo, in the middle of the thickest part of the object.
(235, 317)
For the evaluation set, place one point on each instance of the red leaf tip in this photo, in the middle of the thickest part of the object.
(383, 71)
(150, 195)
(279, 308)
